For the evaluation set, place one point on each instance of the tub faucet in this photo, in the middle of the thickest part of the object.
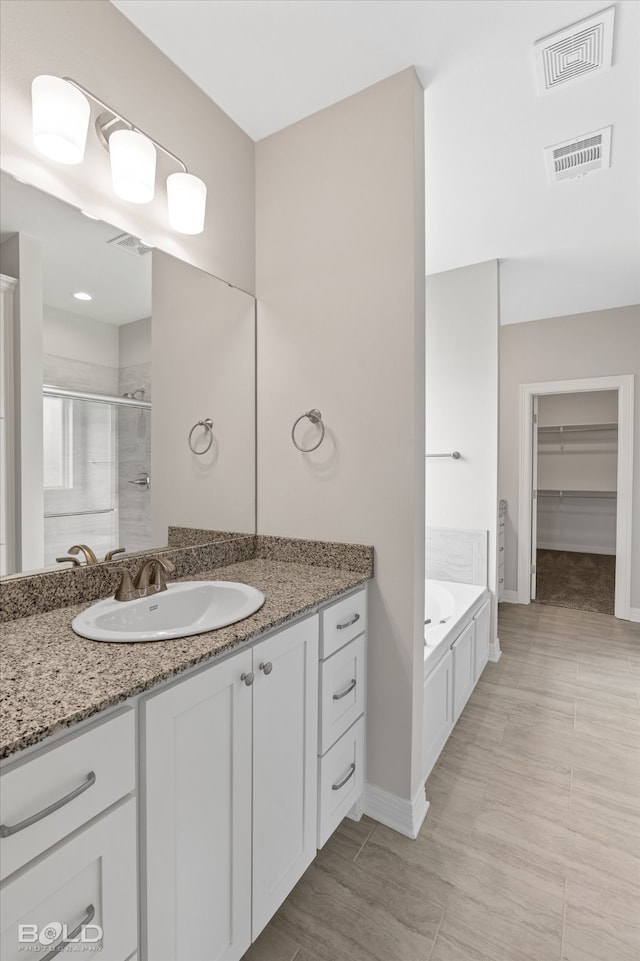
(160, 567)
(89, 556)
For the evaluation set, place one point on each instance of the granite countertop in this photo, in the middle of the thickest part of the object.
(52, 678)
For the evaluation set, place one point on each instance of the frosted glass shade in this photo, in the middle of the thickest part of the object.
(60, 116)
(187, 198)
(133, 166)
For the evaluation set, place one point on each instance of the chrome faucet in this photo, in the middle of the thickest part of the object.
(160, 567)
(89, 556)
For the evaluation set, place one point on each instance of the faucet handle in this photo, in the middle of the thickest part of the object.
(125, 590)
(111, 554)
(74, 561)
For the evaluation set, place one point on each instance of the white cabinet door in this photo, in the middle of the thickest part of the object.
(464, 678)
(197, 765)
(438, 711)
(79, 899)
(483, 637)
(285, 740)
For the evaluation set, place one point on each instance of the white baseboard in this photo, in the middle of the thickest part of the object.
(494, 651)
(509, 597)
(576, 548)
(394, 812)
(634, 614)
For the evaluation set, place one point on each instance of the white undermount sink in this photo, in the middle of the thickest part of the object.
(185, 608)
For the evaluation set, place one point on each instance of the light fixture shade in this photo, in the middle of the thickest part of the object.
(133, 166)
(60, 119)
(187, 197)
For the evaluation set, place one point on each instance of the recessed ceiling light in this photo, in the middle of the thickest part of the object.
(85, 213)
(81, 295)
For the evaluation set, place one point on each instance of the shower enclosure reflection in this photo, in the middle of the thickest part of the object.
(96, 460)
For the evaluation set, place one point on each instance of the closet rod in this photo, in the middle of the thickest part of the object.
(576, 428)
(569, 493)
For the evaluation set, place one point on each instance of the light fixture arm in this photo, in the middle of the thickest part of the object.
(124, 120)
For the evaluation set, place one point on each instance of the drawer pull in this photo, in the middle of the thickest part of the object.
(347, 777)
(352, 620)
(347, 690)
(61, 945)
(6, 830)
(267, 668)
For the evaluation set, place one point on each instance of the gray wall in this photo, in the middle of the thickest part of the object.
(340, 286)
(596, 344)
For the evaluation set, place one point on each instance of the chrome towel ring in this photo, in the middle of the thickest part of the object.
(315, 417)
(208, 426)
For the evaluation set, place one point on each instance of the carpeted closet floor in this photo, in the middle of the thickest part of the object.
(584, 582)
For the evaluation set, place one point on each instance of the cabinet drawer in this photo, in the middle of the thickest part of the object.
(342, 679)
(342, 622)
(51, 793)
(340, 780)
(90, 878)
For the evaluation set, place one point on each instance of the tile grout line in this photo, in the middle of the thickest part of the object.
(564, 918)
(435, 940)
(363, 845)
(570, 788)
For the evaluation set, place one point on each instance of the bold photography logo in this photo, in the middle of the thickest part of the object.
(89, 936)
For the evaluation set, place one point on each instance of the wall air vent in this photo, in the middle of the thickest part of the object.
(131, 244)
(575, 158)
(575, 52)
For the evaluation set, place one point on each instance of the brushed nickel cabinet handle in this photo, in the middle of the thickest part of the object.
(248, 678)
(339, 784)
(61, 945)
(352, 620)
(6, 830)
(347, 690)
(267, 668)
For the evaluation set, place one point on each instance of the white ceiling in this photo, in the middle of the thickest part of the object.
(569, 248)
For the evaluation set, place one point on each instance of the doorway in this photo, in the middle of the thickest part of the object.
(575, 493)
(574, 509)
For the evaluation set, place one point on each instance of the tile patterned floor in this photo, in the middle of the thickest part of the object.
(531, 848)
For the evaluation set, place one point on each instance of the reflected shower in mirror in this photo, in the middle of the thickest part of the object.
(79, 387)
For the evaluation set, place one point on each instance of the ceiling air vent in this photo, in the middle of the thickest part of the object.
(131, 244)
(575, 158)
(575, 52)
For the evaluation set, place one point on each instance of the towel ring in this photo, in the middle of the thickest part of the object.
(208, 426)
(315, 417)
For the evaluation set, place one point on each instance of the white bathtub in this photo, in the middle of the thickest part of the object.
(448, 607)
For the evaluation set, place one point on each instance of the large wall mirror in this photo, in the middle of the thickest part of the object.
(101, 396)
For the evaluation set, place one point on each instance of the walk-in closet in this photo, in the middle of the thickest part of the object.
(576, 499)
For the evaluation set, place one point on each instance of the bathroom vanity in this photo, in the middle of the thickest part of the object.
(175, 816)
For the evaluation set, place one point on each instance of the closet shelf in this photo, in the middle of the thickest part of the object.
(577, 428)
(576, 493)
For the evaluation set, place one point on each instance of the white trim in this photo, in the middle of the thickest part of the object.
(494, 651)
(509, 597)
(397, 813)
(623, 383)
(634, 614)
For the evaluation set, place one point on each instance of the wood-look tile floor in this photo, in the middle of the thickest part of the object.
(531, 848)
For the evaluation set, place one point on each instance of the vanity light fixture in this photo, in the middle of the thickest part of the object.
(61, 113)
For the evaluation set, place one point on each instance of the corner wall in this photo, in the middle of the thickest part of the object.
(340, 286)
(462, 404)
(597, 344)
